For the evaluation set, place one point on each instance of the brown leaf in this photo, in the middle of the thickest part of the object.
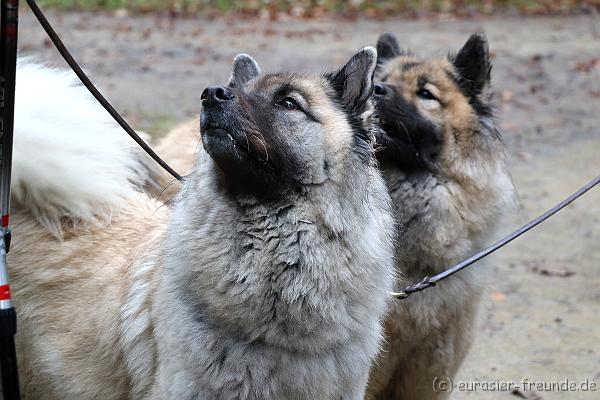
(498, 297)
(558, 272)
(507, 95)
(587, 66)
(524, 155)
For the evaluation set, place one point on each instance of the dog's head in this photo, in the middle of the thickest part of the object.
(272, 133)
(432, 111)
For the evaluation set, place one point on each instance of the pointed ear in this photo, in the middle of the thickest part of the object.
(387, 48)
(473, 64)
(354, 82)
(244, 69)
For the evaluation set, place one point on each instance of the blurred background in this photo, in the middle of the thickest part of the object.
(314, 8)
(540, 317)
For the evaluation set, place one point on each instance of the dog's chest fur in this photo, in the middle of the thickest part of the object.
(268, 301)
(442, 221)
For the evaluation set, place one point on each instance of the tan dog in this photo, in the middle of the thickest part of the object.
(268, 279)
(445, 166)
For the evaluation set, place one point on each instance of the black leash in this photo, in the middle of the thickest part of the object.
(428, 282)
(93, 90)
(8, 316)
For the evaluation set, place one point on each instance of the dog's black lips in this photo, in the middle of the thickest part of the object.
(397, 146)
(221, 132)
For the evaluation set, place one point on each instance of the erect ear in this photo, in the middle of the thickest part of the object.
(354, 82)
(244, 69)
(473, 64)
(387, 48)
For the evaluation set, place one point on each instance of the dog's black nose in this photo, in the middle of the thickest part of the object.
(216, 94)
(379, 89)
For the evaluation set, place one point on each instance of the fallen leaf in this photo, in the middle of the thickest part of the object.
(558, 272)
(498, 297)
(524, 155)
(587, 66)
(507, 95)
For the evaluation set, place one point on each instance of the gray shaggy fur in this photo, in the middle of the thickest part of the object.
(280, 298)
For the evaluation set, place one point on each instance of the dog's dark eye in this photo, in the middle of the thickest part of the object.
(425, 94)
(289, 104)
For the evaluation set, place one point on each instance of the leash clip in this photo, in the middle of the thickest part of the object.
(417, 287)
(400, 295)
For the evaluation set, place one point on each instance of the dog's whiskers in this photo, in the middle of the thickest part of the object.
(260, 138)
(405, 130)
(247, 141)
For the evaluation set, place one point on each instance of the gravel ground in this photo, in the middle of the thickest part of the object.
(540, 318)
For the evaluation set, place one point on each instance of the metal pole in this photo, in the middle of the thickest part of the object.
(8, 316)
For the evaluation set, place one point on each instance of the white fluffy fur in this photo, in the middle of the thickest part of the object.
(87, 170)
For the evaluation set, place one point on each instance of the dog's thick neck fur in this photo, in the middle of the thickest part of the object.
(260, 287)
(477, 191)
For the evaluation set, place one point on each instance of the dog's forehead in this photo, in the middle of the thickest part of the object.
(394, 67)
(313, 88)
(413, 70)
